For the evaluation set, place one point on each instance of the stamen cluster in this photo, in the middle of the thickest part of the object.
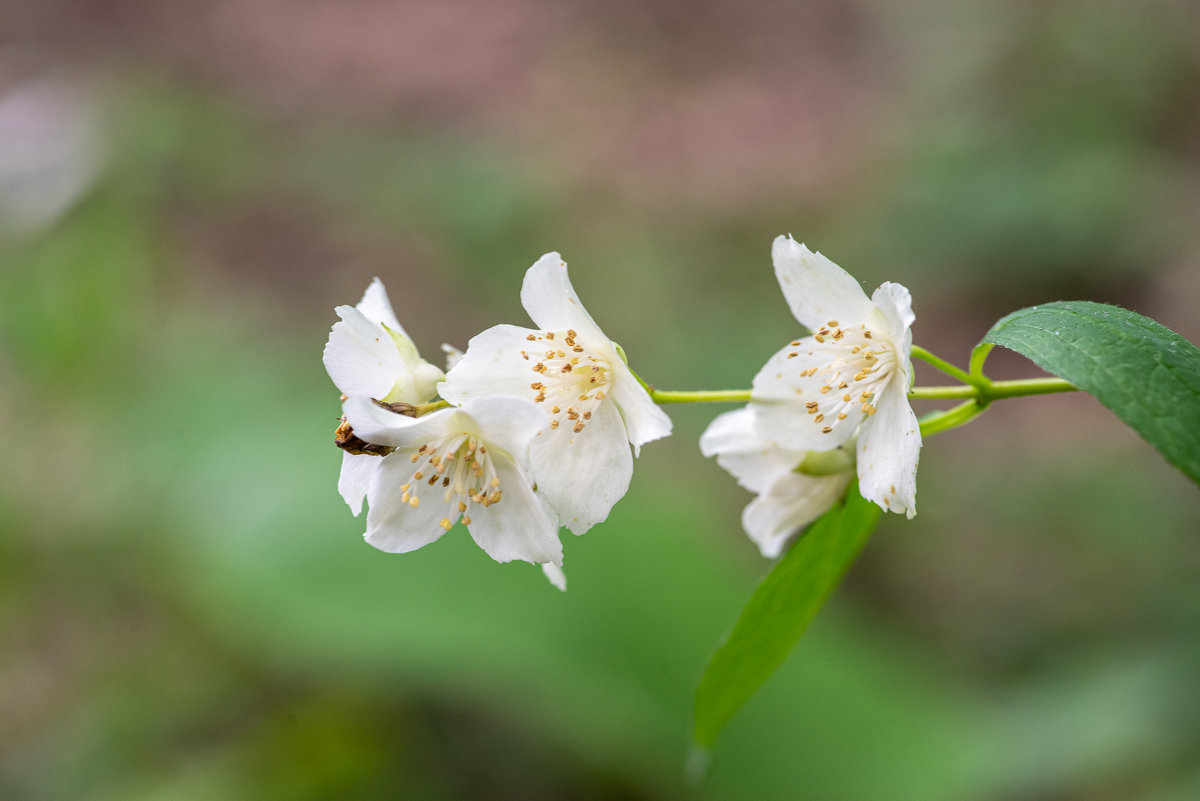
(464, 469)
(570, 379)
(853, 365)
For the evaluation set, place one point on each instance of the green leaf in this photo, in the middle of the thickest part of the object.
(1143, 372)
(779, 611)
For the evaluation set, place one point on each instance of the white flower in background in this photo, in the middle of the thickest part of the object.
(794, 487)
(50, 151)
(369, 354)
(851, 374)
(453, 356)
(594, 408)
(467, 463)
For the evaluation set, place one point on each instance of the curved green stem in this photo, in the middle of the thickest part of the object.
(946, 367)
(934, 422)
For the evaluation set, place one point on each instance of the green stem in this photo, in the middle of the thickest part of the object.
(996, 390)
(985, 394)
(946, 367)
(987, 391)
(950, 418)
(701, 396)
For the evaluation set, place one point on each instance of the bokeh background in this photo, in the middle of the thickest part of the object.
(187, 609)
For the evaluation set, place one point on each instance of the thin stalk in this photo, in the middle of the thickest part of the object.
(951, 418)
(946, 367)
(1026, 386)
(700, 396)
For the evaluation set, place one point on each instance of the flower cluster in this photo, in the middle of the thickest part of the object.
(537, 428)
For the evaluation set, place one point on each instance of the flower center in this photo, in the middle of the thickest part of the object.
(461, 465)
(852, 366)
(570, 380)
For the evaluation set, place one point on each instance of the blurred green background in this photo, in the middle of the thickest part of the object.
(187, 609)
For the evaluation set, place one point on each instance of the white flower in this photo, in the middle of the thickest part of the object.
(594, 406)
(468, 462)
(794, 488)
(50, 151)
(851, 375)
(369, 354)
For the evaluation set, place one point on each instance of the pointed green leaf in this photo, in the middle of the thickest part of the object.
(1143, 372)
(779, 611)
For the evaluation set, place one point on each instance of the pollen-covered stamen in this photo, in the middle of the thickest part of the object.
(570, 380)
(851, 368)
(459, 471)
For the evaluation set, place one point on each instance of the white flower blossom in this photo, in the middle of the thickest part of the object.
(369, 354)
(51, 150)
(468, 463)
(594, 407)
(793, 488)
(850, 375)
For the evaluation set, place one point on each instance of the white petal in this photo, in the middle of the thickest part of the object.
(644, 420)
(757, 471)
(790, 505)
(894, 303)
(376, 307)
(555, 575)
(380, 426)
(519, 526)
(583, 475)
(551, 302)
(729, 432)
(355, 478)
(817, 290)
(888, 450)
(392, 524)
(755, 463)
(453, 355)
(506, 422)
(361, 356)
(780, 391)
(492, 365)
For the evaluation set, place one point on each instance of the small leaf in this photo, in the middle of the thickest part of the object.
(1143, 372)
(779, 611)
